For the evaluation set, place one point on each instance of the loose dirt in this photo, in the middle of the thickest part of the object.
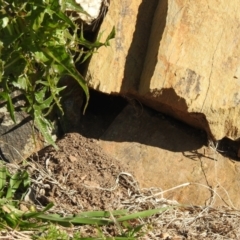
(79, 176)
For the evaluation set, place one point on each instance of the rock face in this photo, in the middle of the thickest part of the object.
(165, 154)
(118, 68)
(178, 57)
(17, 140)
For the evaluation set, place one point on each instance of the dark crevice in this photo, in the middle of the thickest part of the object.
(101, 112)
(114, 118)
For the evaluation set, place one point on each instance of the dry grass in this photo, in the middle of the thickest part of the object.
(176, 222)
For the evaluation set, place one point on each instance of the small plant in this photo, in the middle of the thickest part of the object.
(12, 191)
(38, 45)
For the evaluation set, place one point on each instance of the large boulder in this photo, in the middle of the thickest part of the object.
(172, 156)
(118, 68)
(179, 57)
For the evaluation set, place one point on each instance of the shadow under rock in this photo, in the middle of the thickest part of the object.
(145, 126)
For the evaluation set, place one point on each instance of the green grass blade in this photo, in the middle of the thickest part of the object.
(3, 176)
(73, 220)
(142, 214)
(102, 214)
(107, 238)
(36, 214)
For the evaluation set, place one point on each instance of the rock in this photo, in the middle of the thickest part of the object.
(17, 141)
(178, 57)
(171, 156)
(93, 9)
(72, 98)
(121, 63)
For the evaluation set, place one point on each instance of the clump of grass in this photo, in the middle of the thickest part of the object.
(20, 217)
(166, 220)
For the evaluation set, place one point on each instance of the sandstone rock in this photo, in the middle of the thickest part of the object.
(164, 153)
(183, 60)
(122, 62)
(198, 58)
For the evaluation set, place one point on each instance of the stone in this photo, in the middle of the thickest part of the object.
(93, 9)
(121, 63)
(72, 98)
(164, 153)
(18, 140)
(178, 57)
(196, 57)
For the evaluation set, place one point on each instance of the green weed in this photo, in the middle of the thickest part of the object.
(44, 225)
(38, 45)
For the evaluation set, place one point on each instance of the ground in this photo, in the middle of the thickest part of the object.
(79, 176)
(84, 177)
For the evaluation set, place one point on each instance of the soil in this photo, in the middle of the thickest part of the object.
(79, 176)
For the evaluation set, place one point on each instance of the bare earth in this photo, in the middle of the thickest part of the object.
(79, 176)
(84, 177)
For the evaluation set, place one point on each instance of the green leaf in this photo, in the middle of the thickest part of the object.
(142, 214)
(21, 82)
(59, 55)
(71, 5)
(37, 213)
(10, 107)
(39, 96)
(73, 220)
(43, 125)
(102, 214)
(38, 42)
(110, 36)
(15, 182)
(38, 15)
(3, 176)
(5, 22)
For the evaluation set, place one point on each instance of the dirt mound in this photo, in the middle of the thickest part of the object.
(79, 176)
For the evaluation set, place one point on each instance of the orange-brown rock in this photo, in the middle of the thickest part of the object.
(169, 155)
(179, 57)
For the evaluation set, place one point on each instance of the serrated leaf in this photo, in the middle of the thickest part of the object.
(40, 95)
(71, 5)
(21, 82)
(36, 49)
(43, 125)
(38, 16)
(59, 55)
(110, 36)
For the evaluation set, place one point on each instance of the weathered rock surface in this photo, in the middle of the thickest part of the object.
(179, 57)
(165, 153)
(17, 140)
(122, 62)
